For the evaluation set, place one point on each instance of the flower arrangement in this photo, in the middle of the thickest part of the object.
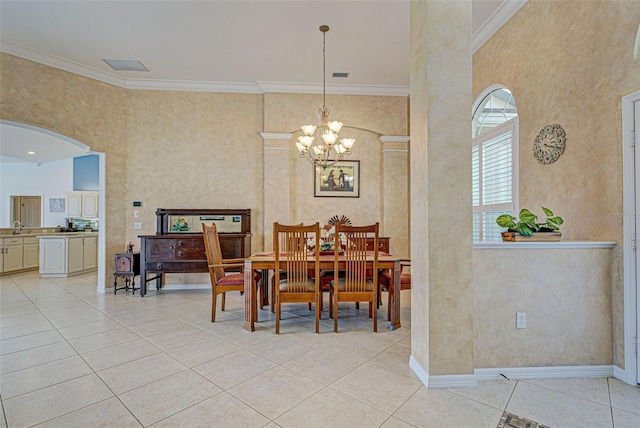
(327, 239)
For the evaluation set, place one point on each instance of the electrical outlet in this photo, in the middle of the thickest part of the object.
(137, 225)
(521, 320)
(135, 214)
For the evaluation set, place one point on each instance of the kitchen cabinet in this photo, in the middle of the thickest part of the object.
(68, 254)
(90, 253)
(30, 252)
(12, 254)
(75, 255)
(82, 204)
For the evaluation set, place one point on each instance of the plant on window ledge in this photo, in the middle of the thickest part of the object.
(526, 224)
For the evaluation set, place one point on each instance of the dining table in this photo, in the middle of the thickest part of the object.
(266, 262)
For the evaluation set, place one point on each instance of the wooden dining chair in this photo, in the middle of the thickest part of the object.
(358, 284)
(386, 283)
(221, 282)
(293, 261)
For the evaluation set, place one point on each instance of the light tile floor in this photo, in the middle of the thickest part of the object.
(71, 357)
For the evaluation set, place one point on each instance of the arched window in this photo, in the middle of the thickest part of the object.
(495, 161)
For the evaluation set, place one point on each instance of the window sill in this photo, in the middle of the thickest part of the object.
(499, 245)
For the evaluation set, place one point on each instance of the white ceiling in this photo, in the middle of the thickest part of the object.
(228, 46)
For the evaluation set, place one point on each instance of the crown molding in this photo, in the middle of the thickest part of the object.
(62, 64)
(503, 13)
(193, 86)
(316, 88)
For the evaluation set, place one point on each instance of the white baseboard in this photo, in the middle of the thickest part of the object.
(442, 381)
(544, 372)
(466, 381)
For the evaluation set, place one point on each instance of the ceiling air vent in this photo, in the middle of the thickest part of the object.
(340, 74)
(125, 65)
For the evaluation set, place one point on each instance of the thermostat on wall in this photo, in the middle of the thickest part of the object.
(137, 204)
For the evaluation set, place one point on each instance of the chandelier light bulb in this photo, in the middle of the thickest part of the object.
(318, 150)
(348, 142)
(335, 126)
(329, 137)
(308, 129)
(300, 147)
(340, 149)
(306, 140)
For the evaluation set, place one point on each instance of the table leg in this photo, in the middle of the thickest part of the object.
(395, 308)
(250, 298)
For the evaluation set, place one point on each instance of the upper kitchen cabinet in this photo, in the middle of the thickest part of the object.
(82, 204)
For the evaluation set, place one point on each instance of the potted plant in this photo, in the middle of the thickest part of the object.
(526, 227)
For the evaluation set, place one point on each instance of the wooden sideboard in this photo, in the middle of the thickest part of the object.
(178, 247)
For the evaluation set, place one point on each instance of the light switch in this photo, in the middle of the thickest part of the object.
(135, 214)
(137, 225)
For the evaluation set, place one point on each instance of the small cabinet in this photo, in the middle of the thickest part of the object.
(30, 253)
(12, 254)
(82, 204)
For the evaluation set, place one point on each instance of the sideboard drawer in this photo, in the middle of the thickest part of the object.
(189, 249)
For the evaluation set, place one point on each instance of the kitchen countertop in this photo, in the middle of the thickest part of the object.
(64, 234)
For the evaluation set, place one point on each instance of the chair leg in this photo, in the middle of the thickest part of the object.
(357, 306)
(224, 296)
(370, 309)
(330, 303)
(318, 310)
(213, 305)
(273, 295)
(335, 313)
(277, 316)
(375, 318)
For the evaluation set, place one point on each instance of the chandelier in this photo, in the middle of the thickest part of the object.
(326, 151)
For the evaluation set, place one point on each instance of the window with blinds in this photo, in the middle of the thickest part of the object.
(494, 163)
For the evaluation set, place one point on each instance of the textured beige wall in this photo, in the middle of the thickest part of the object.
(90, 112)
(441, 244)
(567, 304)
(570, 62)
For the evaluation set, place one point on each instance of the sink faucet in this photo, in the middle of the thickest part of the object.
(17, 227)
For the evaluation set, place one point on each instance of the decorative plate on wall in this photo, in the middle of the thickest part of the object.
(549, 144)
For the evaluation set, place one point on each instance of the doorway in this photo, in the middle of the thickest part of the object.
(27, 210)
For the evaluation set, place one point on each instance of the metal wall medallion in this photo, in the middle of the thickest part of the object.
(549, 144)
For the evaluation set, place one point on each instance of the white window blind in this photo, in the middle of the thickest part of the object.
(493, 179)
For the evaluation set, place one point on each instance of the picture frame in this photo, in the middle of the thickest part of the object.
(56, 205)
(340, 180)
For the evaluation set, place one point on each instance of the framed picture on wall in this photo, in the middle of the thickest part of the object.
(56, 205)
(340, 180)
